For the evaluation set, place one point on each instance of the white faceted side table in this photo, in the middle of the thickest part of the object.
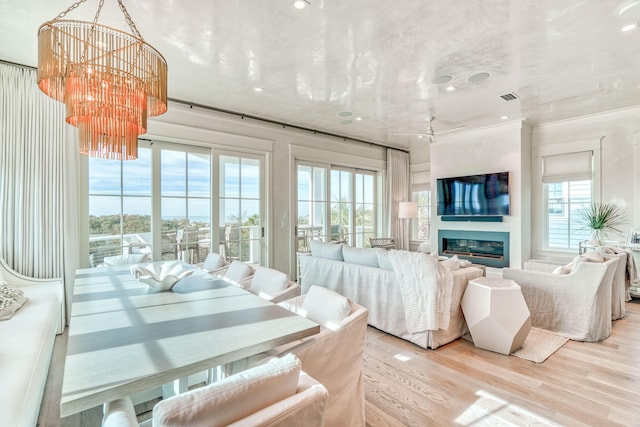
(496, 313)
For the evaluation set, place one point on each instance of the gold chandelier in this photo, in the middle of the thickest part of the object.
(109, 81)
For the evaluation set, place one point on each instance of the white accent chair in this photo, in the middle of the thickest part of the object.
(334, 356)
(276, 393)
(271, 284)
(214, 264)
(618, 283)
(576, 305)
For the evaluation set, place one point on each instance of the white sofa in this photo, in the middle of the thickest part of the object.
(26, 347)
(376, 288)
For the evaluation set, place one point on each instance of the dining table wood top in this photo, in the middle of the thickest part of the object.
(125, 338)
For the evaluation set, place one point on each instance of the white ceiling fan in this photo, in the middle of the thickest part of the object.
(430, 133)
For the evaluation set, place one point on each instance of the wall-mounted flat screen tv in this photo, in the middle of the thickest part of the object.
(486, 194)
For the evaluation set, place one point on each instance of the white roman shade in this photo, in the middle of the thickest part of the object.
(568, 167)
(420, 181)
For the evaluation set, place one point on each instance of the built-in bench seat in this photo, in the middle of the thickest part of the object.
(26, 347)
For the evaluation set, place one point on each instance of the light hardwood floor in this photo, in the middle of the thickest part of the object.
(582, 384)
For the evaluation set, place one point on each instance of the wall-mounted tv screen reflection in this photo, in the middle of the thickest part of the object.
(486, 194)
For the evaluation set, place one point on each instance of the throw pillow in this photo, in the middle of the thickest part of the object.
(383, 259)
(451, 264)
(233, 398)
(11, 299)
(237, 271)
(326, 307)
(362, 256)
(593, 257)
(269, 281)
(326, 250)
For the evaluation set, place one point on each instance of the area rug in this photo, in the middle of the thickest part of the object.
(538, 346)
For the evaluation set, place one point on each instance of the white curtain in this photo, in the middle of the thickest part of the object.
(38, 219)
(397, 190)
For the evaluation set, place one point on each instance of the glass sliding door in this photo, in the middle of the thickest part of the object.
(342, 204)
(119, 207)
(312, 205)
(185, 204)
(346, 215)
(241, 223)
(365, 208)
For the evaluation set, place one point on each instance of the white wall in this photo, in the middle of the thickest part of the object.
(281, 147)
(617, 171)
(513, 147)
(496, 149)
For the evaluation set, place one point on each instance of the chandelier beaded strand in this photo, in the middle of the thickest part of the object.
(109, 81)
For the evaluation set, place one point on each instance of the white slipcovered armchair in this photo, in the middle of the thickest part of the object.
(277, 393)
(576, 305)
(334, 356)
(618, 283)
(271, 284)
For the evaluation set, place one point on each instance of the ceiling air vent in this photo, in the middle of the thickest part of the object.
(511, 96)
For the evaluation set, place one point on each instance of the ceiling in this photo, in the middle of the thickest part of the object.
(376, 59)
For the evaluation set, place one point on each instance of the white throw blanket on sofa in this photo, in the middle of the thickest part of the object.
(425, 288)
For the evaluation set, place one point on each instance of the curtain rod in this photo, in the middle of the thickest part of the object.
(252, 117)
(285, 125)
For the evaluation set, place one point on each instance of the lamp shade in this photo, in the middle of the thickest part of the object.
(408, 210)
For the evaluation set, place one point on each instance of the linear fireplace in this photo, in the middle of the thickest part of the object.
(490, 248)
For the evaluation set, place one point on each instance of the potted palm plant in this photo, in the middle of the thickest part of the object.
(602, 219)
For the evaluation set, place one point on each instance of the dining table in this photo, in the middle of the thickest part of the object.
(124, 338)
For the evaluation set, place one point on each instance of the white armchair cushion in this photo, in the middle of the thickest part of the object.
(362, 256)
(213, 262)
(326, 250)
(326, 307)
(269, 281)
(125, 259)
(11, 299)
(238, 270)
(232, 398)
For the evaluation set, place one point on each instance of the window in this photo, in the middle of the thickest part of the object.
(563, 202)
(161, 204)
(240, 219)
(365, 208)
(185, 211)
(421, 229)
(556, 200)
(119, 206)
(567, 187)
(347, 215)
(341, 206)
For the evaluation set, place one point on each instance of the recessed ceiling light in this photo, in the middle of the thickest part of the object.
(505, 117)
(478, 77)
(258, 89)
(451, 88)
(300, 4)
(360, 118)
(629, 27)
(345, 122)
(441, 80)
(344, 113)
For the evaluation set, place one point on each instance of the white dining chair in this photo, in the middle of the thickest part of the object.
(277, 393)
